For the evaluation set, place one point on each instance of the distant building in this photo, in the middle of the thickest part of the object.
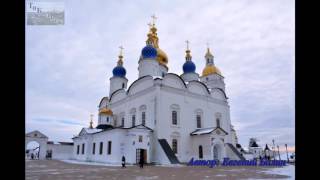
(57, 150)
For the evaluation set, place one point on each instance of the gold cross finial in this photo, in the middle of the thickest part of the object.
(153, 19)
(121, 49)
(187, 44)
(91, 120)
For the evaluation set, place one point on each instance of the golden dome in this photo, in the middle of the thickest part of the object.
(105, 111)
(162, 57)
(210, 69)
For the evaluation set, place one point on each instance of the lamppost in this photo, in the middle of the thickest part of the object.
(287, 152)
(278, 152)
(273, 147)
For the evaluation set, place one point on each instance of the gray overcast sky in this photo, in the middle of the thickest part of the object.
(68, 67)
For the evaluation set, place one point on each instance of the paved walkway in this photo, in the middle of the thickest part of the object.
(58, 170)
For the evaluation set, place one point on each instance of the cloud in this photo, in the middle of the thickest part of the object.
(68, 67)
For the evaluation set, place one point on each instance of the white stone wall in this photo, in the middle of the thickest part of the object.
(60, 151)
(213, 81)
(117, 83)
(122, 144)
(190, 77)
(149, 67)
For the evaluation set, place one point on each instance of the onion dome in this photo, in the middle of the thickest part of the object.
(188, 66)
(162, 57)
(153, 39)
(106, 111)
(149, 52)
(119, 70)
(210, 67)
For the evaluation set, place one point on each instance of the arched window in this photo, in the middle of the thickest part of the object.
(198, 121)
(122, 121)
(175, 146)
(143, 118)
(133, 116)
(174, 118)
(143, 109)
(200, 152)
(199, 117)
(218, 122)
(133, 120)
(175, 110)
(218, 118)
(115, 123)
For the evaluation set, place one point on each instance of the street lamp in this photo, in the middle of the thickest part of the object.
(287, 152)
(278, 152)
(273, 147)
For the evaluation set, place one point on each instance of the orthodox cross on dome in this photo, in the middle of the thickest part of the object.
(120, 62)
(121, 50)
(187, 42)
(153, 19)
(188, 55)
(91, 121)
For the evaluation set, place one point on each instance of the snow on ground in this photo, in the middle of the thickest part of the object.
(288, 170)
(92, 163)
(170, 165)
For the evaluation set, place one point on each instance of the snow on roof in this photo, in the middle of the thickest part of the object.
(202, 131)
(92, 130)
(160, 77)
(206, 130)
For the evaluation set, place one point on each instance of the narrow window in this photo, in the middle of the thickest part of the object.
(143, 117)
(107, 119)
(93, 148)
(200, 152)
(133, 120)
(101, 148)
(122, 121)
(109, 147)
(175, 146)
(198, 121)
(122, 85)
(174, 117)
(115, 122)
(140, 138)
(218, 122)
(78, 149)
(82, 148)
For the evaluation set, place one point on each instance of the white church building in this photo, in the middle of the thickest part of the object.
(162, 117)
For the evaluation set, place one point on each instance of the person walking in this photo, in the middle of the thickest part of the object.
(141, 162)
(123, 162)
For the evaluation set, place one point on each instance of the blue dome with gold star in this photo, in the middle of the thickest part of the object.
(149, 52)
(188, 67)
(119, 71)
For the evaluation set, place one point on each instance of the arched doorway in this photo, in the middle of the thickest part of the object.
(216, 152)
(32, 150)
(33, 140)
